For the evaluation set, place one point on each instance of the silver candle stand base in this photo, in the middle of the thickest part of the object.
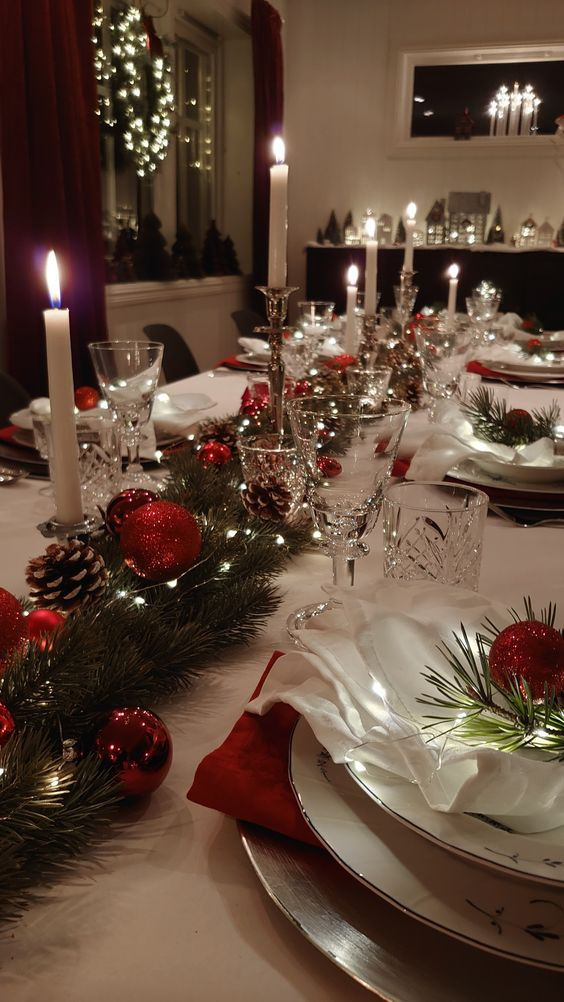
(276, 311)
(406, 294)
(52, 529)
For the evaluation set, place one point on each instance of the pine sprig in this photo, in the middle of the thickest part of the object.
(138, 645)
(478, 711)
(490, 420)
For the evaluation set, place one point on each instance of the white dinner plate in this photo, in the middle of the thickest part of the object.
(253, 360)
(516, 368)
(469, 472)
(519, 919)
(536, 856)
(554, 340)
(518, 474)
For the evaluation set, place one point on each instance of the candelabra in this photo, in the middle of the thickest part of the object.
(406, 294)
(276, 312)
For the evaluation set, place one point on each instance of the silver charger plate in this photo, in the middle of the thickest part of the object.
(375, 944)
(519, 919)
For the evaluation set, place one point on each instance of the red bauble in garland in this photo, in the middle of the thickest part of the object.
(123, 504)
(41, 624)
(160, 541)
(214, 454)
(303, 388)
(518, 419)
(137, 744)
(7, 724)
(86, 397)
(341, 362)
(329, 467)
(530, 650)
(13, 626)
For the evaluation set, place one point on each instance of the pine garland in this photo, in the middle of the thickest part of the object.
(139, 644)
(492, 421)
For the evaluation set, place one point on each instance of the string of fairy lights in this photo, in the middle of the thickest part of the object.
(147, 124)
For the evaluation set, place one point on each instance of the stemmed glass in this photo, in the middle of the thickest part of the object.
(128, 373)
(444, 348)
(346, 448)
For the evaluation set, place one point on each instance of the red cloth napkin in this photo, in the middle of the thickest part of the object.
(247, 776)
(6, 434)
(232, 362)
(481, 370)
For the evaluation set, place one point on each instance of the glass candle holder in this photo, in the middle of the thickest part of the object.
(372, 383)
(274, 485)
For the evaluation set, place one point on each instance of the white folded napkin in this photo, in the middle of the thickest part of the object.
(254, 345)
(358, 687)
(174, 415)
(451, 439)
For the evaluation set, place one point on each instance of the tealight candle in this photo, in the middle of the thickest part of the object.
(452, 289)
(410, 213)
(350, 323)
(64, 445)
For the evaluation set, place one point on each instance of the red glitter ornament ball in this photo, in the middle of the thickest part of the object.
(517, 418)
(86, 397)
(137, 744)
(532, 651)
(123, 504)
(214, 454)
(302, 388)
(13, 626)
(534, 342)
(160, 541)
(329, 467)
(41, 624)
(341, 362)
(7, 724)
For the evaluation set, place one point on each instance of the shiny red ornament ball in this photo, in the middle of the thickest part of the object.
(123, 504)
(341, 362)
(532, 651)
(86, 397)
(13, 627)
(329, 467)
(42, 624)
(7, 724)
(160, 541)
(517, 418)
(302, 388)
(137, 744)
(534, 342)
(214, 454)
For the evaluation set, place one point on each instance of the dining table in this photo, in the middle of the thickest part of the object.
(169, 907)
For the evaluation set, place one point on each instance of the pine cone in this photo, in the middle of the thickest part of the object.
(267, 500)
(219, 431)
(66, 577)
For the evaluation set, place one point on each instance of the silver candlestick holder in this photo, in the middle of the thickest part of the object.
(276, 312)
(368, 347)
(406, 294)
(62, 531)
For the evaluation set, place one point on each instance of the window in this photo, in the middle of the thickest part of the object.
(196, 153)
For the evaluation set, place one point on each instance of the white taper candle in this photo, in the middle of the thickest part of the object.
(350, 323)
(278, 223)
(64, 446)
(371, 270)
(452, 290)
(409, 229)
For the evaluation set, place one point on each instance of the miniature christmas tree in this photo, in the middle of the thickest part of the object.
(348, 220)
(122, 264)
(333, 231)
(319, 236)
(496, 234)
(213, 256)
(185, 258)
(400, 232)
(231, 261)
(150, 259)
(560, 236)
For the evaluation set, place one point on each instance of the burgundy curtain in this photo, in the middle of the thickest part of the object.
(266, 26)
(50, 156)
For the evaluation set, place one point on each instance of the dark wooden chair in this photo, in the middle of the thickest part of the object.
(12, 398)
(178, 360)
(246, 321)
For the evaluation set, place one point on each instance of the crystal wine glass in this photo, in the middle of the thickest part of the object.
(444, 348)
(346, 448)
(128, 373)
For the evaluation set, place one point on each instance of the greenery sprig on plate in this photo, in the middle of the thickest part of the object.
(503, 710)
(492, 421)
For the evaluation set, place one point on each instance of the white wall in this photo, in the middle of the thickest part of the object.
(338, 62)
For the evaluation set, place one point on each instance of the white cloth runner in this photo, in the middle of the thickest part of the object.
(358, 687)
(451, 439)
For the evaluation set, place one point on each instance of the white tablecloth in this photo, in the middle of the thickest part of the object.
(173, 911)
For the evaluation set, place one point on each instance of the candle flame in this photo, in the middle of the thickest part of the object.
(411, 210)
(352, 275)
(453, 271)
(278, 150)
(370, 227)
(52, 276)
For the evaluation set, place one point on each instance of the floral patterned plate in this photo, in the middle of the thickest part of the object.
(518, 919)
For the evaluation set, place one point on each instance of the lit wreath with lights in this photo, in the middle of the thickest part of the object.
(142, 88)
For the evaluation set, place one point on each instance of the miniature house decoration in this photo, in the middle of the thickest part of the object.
(528, 233)
(545, 235)
(384, 229)
(468, 212)
(436, 223)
